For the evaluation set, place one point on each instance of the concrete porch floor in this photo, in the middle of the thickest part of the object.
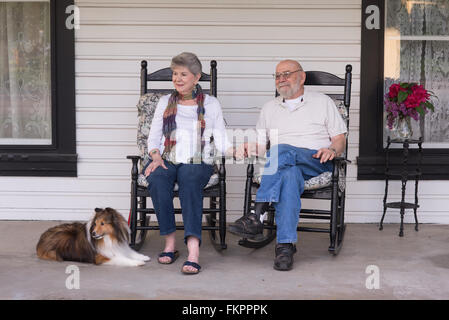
(415, 266)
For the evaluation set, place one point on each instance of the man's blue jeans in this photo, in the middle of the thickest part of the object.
(284, 187)
(191, 179)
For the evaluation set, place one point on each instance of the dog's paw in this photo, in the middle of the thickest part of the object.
(138, 263)
(140, 257)
(145, 258)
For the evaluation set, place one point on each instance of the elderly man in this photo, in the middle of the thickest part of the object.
(310, 133)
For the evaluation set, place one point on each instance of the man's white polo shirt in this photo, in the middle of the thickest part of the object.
(310, 124)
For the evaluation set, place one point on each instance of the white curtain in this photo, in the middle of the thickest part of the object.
(25, 73)
(417, 50)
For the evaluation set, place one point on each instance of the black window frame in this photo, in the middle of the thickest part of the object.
(59, 158)
(371, 159)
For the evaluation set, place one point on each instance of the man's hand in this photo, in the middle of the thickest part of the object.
(325, 154)
(337, 147)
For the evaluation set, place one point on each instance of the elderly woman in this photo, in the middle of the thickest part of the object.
(179, 146)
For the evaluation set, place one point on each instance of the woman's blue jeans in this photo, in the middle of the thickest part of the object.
(290, 167)
(191, 179)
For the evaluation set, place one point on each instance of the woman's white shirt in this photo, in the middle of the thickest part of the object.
(186, 130)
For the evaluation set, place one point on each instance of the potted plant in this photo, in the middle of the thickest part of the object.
(403, 102)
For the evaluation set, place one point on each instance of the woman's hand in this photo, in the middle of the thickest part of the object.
(157, 162)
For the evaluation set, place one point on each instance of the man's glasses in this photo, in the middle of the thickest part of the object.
(286, 74)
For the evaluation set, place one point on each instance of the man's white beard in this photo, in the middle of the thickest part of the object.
(290, 92)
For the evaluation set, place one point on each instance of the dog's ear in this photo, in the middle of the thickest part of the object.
(112, 211)
(115, 216)
(120, 225)
(98, 210)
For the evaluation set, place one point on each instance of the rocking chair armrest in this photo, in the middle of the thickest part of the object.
(134, 169)
(134, 158)
(250, 170)
(338, 160)
(222, 168)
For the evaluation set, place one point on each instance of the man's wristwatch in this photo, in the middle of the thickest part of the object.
(333, 150)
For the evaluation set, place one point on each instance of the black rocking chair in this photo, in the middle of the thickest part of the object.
(139, 220)
(327, 186)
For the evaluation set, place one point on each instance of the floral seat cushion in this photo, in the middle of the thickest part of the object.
(146, 108)
(321, 181)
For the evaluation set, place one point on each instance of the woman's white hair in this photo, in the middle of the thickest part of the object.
(188, 60)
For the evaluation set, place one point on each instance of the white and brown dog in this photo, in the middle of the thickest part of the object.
(102, 240)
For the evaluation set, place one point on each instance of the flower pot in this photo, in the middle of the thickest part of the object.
(402, 129)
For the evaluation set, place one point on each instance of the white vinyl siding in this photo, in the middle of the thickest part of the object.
(248, 39)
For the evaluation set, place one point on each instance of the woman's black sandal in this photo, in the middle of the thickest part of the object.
(172, 255)
(192, 264)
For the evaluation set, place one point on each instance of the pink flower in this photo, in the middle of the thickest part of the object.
(394, 89)
(420, 93)
(412, 101)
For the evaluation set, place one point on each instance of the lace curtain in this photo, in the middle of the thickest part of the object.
(25, 73)
(417, 50)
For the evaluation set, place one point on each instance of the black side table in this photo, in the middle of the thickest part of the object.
(405, 173)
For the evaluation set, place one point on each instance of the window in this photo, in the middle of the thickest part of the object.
(416, 50)
(37, 89)
(25, 73)
(410, 45)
